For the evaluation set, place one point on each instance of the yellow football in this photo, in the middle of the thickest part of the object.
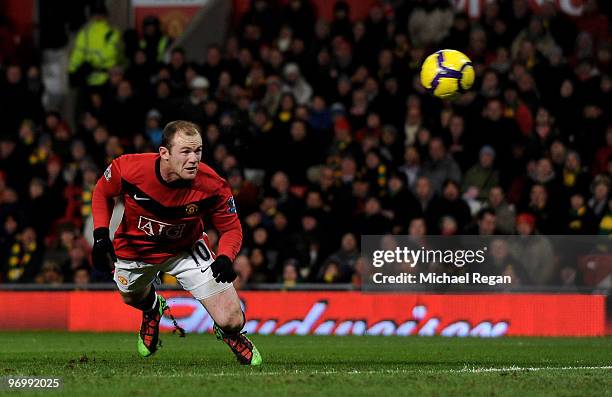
(447, 73)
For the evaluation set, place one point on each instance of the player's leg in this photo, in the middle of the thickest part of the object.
(224, 308)
(152, 307)
(135, 283)
(219, 299)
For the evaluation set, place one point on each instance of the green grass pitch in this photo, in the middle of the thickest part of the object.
(198, 365)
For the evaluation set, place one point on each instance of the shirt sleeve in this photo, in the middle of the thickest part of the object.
(225, 220)
(107, 188)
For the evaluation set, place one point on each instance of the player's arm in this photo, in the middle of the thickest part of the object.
(225, 220)
(102, 203)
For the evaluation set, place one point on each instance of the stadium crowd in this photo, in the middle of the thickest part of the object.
(325, 133)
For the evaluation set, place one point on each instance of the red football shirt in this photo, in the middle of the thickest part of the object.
(162, 219)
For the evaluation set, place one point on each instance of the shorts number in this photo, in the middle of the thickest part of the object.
(201, 250)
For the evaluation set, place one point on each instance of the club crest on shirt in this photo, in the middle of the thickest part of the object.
(231, 205)
(107, 173)
(191, 209)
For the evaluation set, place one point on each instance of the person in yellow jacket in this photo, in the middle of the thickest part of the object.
(154, 42)
(97, 49)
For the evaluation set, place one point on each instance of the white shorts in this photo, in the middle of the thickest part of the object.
(191, 269)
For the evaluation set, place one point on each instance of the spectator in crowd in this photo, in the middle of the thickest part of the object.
(400, 203)
(290, 273)
(482, 176)
(333, 272)
(440, 166)
(428, 202)
(601, 193)
(81, 276)
(296, 84)
(154, 42)
(458, 145)
(96, 50)
(581, 219)
(504, 212)
(535, 250)
(547, 218)
(485, 223)
(77, 260)
(412, 165)
(503, 263)
(242, 267)
(50, 273)
(24, 257)
(605, 225)
(348, 253)
(18, 103)
(451, 204)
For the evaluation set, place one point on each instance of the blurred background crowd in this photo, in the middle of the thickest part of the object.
(323, 131)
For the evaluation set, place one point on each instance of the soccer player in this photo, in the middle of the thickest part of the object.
(167, 197)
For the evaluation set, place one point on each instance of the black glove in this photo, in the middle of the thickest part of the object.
(223, 269)
(103, 254)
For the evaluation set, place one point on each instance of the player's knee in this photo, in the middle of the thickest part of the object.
(232, 321)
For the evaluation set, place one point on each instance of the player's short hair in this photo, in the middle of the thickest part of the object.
(186, 127)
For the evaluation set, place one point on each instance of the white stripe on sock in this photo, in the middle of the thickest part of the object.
(154, 302)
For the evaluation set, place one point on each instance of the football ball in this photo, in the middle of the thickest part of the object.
(446, 73)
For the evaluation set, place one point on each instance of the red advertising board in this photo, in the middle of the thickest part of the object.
(325, 313)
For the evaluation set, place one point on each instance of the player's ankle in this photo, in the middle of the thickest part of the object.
(233, 325)
(148, 304)
(230, 328)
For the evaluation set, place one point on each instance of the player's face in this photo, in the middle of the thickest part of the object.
(184, 155)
